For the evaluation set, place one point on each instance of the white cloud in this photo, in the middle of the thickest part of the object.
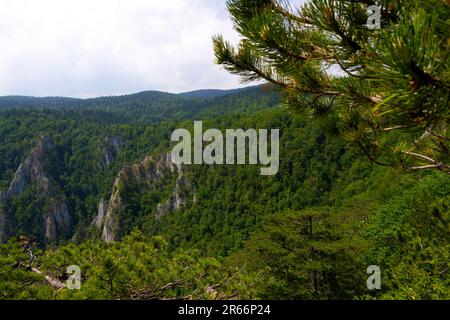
(102, 47)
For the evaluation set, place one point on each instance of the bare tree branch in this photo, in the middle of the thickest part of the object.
(435, 164)
(434, 134)
(54, 282)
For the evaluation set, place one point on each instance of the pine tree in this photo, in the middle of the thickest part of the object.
(385, 89)
(305, 256)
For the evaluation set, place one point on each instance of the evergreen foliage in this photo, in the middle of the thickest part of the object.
(365, 83)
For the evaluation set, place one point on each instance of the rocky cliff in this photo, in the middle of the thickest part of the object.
(3, 227)
(56, 220)
(109, 150)
(148, 174)
(31, 170)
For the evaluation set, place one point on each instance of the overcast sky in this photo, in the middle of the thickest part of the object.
(85, 48)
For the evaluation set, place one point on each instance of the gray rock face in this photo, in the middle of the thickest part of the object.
(57, 221)
(175, 202)
(147, 172)
(110, 148)
(32, 170)
(101, 214)
(107, 218)
(3, 235)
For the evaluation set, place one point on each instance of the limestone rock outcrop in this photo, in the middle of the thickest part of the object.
(146, 174)
(56, 219)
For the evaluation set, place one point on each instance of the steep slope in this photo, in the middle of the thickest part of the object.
(158, 175)
(220, 205)
(302, 234)
(55, 220)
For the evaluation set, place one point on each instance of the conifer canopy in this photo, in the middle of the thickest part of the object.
(386, 89)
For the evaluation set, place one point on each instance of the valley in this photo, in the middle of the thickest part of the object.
(94, 186)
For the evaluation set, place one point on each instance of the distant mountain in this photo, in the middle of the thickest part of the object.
(151, 107)
(214, 93)
(14, 101)
(63, 102)
(207, 93)
(38, 102)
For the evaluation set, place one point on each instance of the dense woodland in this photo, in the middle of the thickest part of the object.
(349, 193)
(329, 211)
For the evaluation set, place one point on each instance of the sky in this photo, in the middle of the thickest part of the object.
(87, 48)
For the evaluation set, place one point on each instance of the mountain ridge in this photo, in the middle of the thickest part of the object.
(31, 101)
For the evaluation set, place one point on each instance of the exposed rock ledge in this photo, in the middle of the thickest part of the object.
(56, 220)
(147, 172)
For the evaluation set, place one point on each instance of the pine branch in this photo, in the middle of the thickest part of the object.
(347, 71)
(52, 281)
(420, 156)
(388, 129)
(285, 13)
(155, 294)
(435, 164)
(439, 136)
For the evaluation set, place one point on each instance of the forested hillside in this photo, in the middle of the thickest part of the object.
(152, 107)
(69, 187)
(89, 145)
(90, 185)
